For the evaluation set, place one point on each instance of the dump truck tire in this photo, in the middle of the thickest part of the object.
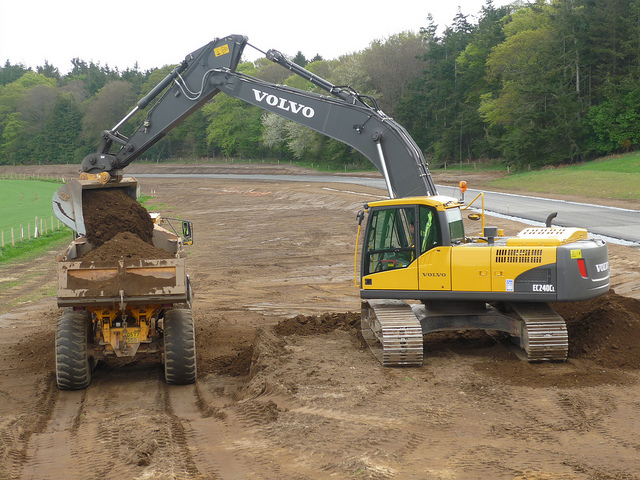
(179, 347)
(73, 363)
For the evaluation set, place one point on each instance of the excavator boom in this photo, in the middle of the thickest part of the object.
(345, 116)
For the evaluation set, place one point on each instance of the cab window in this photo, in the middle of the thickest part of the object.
(429, 229)
(456, 226)
(390, 241)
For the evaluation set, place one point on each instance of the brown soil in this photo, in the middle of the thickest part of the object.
(605, 330)
(287, 390)
(316, 324)
(125, 245)
(108, 212)
(118, 227)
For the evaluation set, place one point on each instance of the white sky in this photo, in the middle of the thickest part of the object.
(157, 32)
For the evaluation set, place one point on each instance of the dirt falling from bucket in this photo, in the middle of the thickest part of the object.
(110, 211)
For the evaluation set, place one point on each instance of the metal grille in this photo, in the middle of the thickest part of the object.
(519, 255)
(538, 275)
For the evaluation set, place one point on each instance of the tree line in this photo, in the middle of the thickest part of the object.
(535, 84)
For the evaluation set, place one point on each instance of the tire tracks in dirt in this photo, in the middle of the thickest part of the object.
(130, 424)
(17, 432)
(98, 432)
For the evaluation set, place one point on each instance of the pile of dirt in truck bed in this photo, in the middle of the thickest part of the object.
(125, 245)
(108, 212)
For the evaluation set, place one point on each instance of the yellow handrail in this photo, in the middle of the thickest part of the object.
(481, 194)
(355, 259)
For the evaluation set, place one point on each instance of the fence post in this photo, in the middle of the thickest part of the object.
(13, 242)
(21, 233)
(35, 228)
(29, 230)
(2, 238)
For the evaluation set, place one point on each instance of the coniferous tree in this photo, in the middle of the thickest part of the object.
(59, 143)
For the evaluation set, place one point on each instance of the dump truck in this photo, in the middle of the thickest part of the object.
(126, 306)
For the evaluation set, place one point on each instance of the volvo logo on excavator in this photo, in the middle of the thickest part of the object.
(283, 103)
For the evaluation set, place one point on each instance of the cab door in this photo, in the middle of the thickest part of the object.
(434, 269)
(434, 264)
(389, 254)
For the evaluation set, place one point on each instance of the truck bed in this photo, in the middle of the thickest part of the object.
(83, 282)
(134, 281)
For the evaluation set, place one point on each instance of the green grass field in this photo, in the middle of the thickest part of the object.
(21, 201)
(616, 178)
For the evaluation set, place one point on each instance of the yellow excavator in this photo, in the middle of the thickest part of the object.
(414, 245)
(416, 249)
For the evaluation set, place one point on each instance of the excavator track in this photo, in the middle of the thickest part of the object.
(544, 332)
(392, 332)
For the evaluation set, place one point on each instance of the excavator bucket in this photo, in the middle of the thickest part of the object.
(67, 200)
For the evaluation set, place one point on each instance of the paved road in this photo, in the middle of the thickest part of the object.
(612, 222)
(615, 223)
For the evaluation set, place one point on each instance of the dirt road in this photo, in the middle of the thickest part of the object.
(287, 390)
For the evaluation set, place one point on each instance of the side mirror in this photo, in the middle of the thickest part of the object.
(187, 232)
(474, 216)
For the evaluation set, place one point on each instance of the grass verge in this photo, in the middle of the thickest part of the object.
(613, 178)
(35, 247)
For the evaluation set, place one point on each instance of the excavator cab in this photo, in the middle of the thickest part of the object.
(399, 231)
(390, 239)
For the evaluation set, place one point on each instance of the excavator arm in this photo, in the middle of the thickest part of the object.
(345, 116)
(190, 89)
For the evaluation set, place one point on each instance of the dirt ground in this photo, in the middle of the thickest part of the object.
(286, 388)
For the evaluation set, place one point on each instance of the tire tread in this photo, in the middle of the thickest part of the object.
(179, 347)
(73, 365)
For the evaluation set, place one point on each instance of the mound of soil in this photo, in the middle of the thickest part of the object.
(605, 330)
(108, 212)
(125, 245)
(312, 325)
(235, 365)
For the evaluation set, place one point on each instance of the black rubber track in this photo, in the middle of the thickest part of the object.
(179, 347)
(73, 364)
